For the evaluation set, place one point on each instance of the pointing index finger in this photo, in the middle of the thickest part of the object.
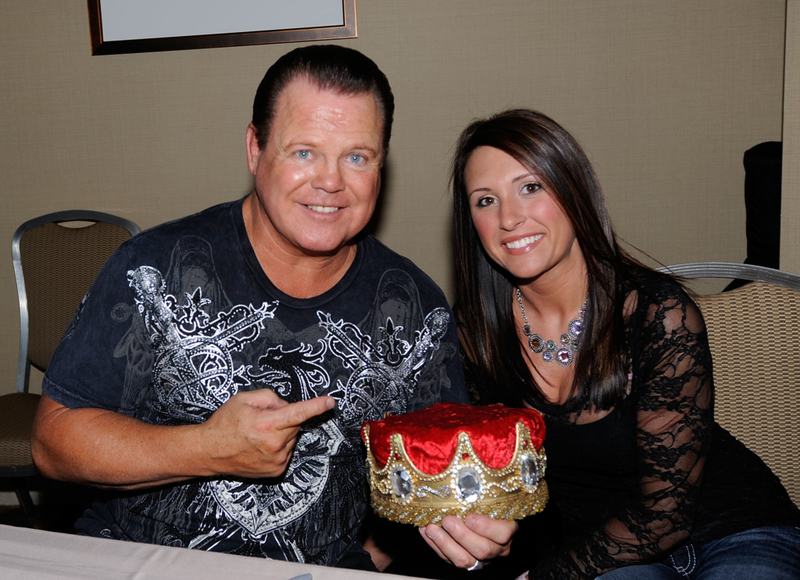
(295, 414)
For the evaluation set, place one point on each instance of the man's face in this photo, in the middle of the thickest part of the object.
(318, 177)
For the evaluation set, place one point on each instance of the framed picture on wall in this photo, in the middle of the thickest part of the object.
(122, 26)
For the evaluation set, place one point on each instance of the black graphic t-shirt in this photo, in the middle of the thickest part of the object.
(182, 317)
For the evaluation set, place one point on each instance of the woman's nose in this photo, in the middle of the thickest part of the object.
(510, 216)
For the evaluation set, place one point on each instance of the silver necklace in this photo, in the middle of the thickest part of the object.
(570, 340)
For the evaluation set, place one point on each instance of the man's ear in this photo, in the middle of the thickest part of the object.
(253, 150)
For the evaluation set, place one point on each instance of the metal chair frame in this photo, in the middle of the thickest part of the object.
(24, 366)
(17, 473)
(734, 271)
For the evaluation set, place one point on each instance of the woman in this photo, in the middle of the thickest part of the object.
(555, 316)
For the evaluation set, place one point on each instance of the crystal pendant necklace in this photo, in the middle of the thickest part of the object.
(570, 341)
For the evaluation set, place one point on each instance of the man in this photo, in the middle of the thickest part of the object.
(220, 367)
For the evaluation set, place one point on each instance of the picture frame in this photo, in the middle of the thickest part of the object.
(121, 26)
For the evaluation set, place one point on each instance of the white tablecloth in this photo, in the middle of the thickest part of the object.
(37, 555)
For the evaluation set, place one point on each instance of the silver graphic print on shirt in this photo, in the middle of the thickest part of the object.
(203, 354)
(193, 371)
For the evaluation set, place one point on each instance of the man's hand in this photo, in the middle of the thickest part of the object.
(250, 436)
(476, 539)
(253, 434)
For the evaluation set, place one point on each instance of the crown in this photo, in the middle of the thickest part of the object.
(454, 459)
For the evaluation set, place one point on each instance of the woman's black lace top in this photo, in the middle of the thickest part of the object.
(655, 472)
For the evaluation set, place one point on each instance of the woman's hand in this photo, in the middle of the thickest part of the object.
(472, 542)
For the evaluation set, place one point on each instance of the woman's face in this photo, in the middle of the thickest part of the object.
(519, 222)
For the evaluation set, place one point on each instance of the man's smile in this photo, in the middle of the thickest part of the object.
(322, 208)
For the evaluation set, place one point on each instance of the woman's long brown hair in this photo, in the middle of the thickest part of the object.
(484, 291)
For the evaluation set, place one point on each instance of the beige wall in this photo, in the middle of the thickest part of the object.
(665, 97)
(790, 187)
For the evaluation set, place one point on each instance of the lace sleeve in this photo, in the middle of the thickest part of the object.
(672, 383)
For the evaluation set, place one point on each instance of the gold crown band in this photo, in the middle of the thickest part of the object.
(400, 492)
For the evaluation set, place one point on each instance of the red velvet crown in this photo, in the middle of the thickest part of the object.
(452, 458)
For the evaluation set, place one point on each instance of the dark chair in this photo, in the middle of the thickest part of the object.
(753, 333)
(56, 258)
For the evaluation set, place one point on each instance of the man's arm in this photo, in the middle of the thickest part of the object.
(250, 436)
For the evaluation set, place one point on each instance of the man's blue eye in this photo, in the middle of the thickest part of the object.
(304, 154)
(356, 158)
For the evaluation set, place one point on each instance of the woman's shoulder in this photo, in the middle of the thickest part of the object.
(658, 293)
(661, 304)
(664, 317)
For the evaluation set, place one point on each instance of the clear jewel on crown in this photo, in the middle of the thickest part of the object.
(530, 471)
(469, 484)
(402, 485)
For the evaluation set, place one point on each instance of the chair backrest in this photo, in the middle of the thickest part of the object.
(754, 338)
(56, 258)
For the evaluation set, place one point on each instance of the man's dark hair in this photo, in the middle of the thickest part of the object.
(330, 67)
